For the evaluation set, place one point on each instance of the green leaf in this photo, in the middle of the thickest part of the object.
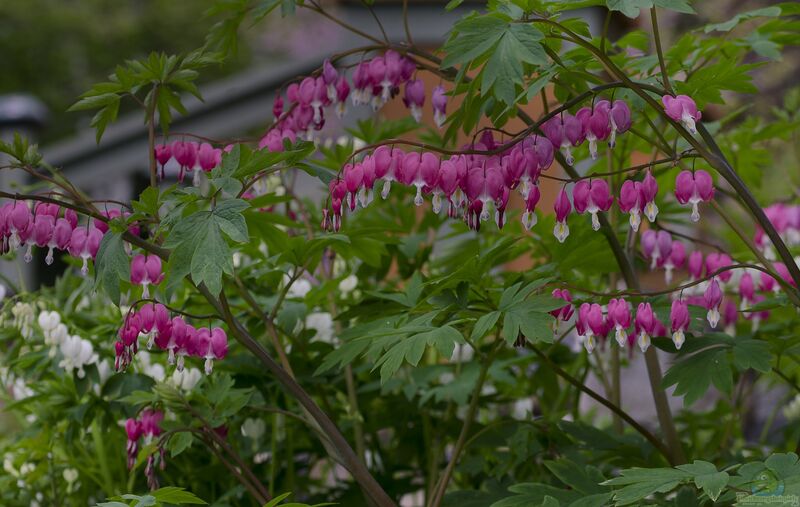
(629, 8)
(707, 478)
(503, 71)
(693, 375)
(179, 442)
(483, 325)
(639, 483)
(178, 496)
(473, 36)
(112, 265)
(732, 23)
(753, 354)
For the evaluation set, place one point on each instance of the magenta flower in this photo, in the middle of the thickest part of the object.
(712, 299)
(18, 220)
(683, 109)
(564, 313)
(747, 289)
(213, 345)
(656, 246)
(679, 317)
(596, 124)
(439, 103)
(619, 315)
(185, 154)
(564, 131)
(208, 157)
(342, 92)
(695, 265)
(675, 260)
(529, 218)
(277, 106)
(716, 261)
(562, 208)
(428, 175)
(648, 191)
(330, 76)
(61, 237)
(84, 244)
(353, 179)
(133, 430)
(593, 196)
(630, 202)
(163, 155)
(591, 324)
(645, 325)
(484, 187)
(693, 188)
(620, 120)
(146, 270)
(414, 97)
(730, 314)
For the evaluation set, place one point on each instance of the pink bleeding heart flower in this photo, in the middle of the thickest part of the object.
(695, 265)
(683, 109)
(619, 315)
(716, 261)
(163, 153)
(562, 208)
(330, 76)
(414, 97)
(656, 247)
(596, 124)
(449, 184)
(353, 179)
(564, 131)
(679, 317)
(62, 235)
(484, 187)
(620, 117)
(747, 289)
(146, 270)
(630, 202)
(439, 103)
(730, 315)
(216, 348)
(529, 218)
(712, 299)
(208, 157)
(500, 208)
(694, 188)
(84, 244)
(429, 175)
(645, 325)
(277, 106)
(648, 191)
(675, 260)
(564, 313)
(361, 84)
(342, 92)
(185, 154)
(593, 195)
(592, 325)
(18, 220)
(133, 430)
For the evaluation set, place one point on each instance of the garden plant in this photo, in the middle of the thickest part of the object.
(562, 218)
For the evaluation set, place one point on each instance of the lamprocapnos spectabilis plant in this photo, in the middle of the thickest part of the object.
(487, 312)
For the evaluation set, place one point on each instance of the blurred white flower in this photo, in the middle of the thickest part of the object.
(462, 353)
(23, 318)
(185, 379)
(70, 475)
(298, 289)
(348, 284)
(522, 409)
(792, 410)
(2, 292)
(322, 323)
(77, 353)
(253, 428)
(49, 320)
